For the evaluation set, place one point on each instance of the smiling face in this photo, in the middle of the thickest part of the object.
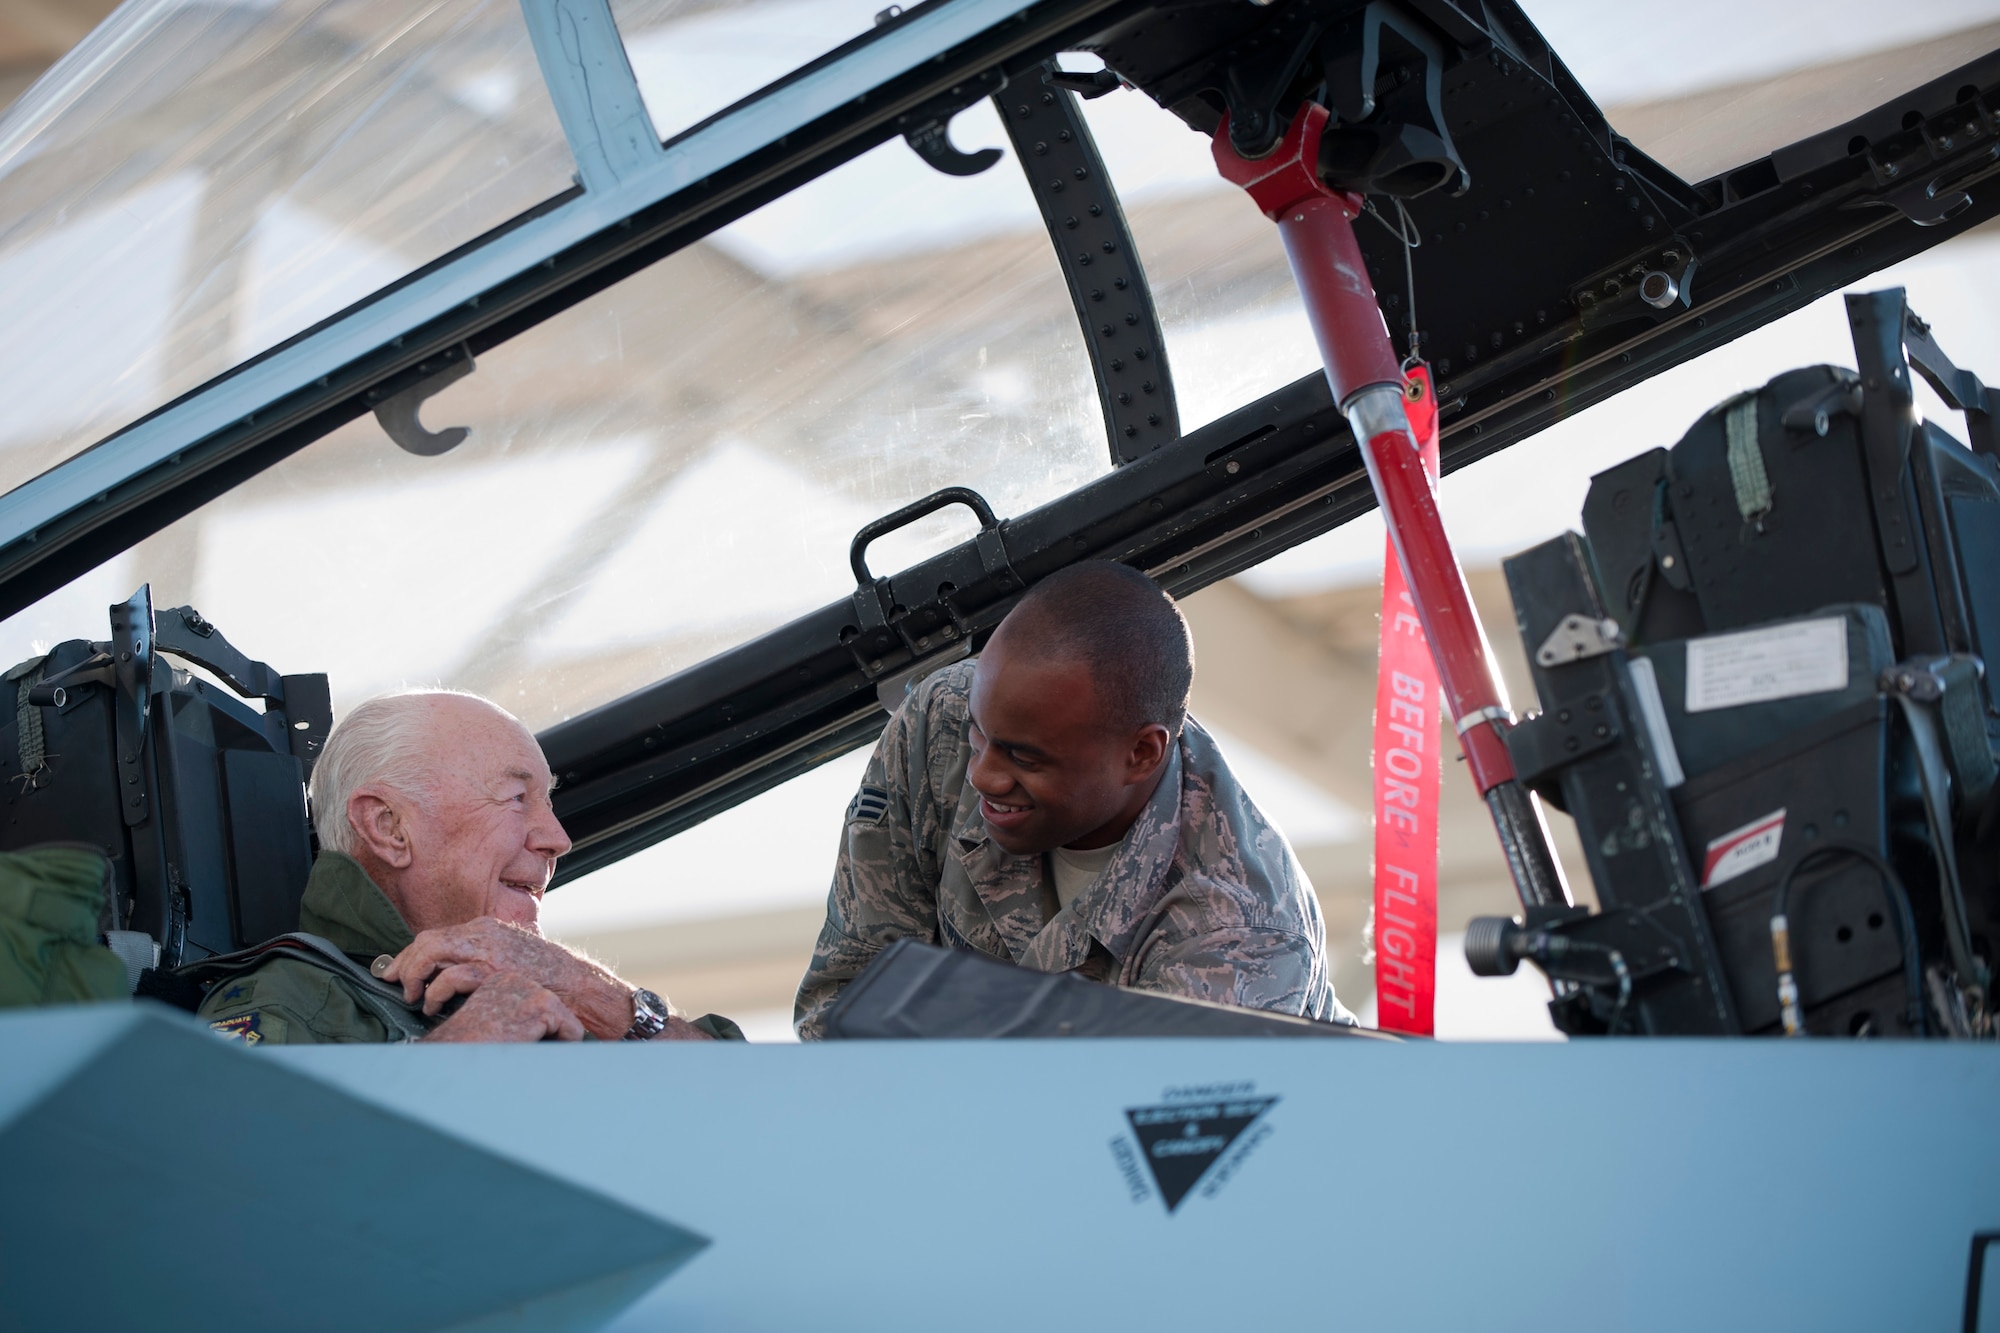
(483, 840)
(1049, 771)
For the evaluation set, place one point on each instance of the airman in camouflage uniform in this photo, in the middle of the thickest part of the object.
(1203, 898)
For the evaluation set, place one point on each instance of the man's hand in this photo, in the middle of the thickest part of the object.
(509, 1007)
(466, 959)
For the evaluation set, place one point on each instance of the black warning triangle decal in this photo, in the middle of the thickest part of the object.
(1181, 1142)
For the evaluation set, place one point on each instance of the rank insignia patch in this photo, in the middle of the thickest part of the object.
(870, 804)
(243, 1028)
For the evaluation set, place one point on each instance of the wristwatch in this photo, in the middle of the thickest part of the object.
(649, 1016)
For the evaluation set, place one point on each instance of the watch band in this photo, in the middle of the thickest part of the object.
(649, 1016)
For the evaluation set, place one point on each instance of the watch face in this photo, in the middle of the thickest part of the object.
(649, 1015)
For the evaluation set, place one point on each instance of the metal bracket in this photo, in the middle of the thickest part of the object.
(1263, 70)
(53, 691)
(1877, 322)
(927, 127)
(185, 633)
(301, 704)
(1576, 637)
(1816, 413)
(872, 600)
(886, 647)
(1919, 688)
(1397, 144)
(1571, 944)
(1928, 203)
(596, 96)
(1099, 261)
(398, 412)
(1668, 556)
(932, 141)
(132, 669)
(1087, 86)
(309, 710)
(1656, 284)
(890, 689)
(1962, 390)
(1542, 744)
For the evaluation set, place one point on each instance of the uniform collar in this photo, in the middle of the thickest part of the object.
(343, 905)
(1012, 888)
(1036, 929)
(1114, 907)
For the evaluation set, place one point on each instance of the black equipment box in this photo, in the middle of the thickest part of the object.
(197, 797)
(1765, 704)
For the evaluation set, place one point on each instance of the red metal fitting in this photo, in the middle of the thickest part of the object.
(1486, 755)
(1437, 585)
(1287, 174)
(1315, 223)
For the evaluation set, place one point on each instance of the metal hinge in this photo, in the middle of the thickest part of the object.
(1577, 637)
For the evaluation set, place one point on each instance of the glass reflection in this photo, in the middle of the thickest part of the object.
(667, 469)
(694, 57)
(1702, 105)
(1231, 314)
(202, 179)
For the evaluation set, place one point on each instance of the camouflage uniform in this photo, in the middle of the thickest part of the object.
(288, 1000)
(1203, 899)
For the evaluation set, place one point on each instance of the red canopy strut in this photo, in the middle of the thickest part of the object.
(1316, 223)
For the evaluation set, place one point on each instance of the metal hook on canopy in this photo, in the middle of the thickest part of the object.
(398, 412)
(932, 140)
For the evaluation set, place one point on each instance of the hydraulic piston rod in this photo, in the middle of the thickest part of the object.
(1316, 223)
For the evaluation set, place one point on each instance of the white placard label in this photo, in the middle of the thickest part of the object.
(1804, 657)
(1743, 850)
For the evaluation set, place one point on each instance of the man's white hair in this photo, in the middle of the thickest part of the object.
(384, 741)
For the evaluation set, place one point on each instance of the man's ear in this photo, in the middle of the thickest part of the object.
(379, 824)
(1148, 752)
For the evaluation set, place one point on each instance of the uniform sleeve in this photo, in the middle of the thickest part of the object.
(718, 1027)
(1247, 966)
(882, 890)
(287, 1004)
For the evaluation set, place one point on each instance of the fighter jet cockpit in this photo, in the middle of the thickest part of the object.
(1559, 436)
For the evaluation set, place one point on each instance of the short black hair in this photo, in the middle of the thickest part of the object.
(1124, 628)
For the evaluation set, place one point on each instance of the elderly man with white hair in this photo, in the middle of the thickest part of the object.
(437, 840)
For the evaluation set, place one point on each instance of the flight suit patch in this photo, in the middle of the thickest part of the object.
(870, 804)
(252, 1029)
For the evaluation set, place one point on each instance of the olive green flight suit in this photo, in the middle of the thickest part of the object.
(51, 899)
(291, 1001)
(288, 1000)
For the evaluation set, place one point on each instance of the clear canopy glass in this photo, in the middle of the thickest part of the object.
(1234, 325)
(667, 469)
(692, 58)
(202, 179)
(1707, 85)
